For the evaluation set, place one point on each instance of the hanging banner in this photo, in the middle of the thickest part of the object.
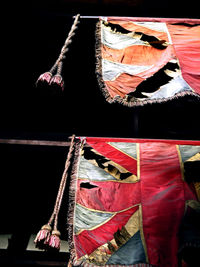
(148, 60)
(130, 200)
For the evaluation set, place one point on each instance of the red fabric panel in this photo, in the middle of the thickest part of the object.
(109, 196)
(186, 41)
(134, 140)
(115, 155)
(169, 20)
(87, 241)
(163, 201)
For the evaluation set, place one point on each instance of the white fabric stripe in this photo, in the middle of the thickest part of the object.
(155, 26)
(111, 70)
(127, 148)
(176, 85)
(118, 41)
(91, 172)
(168, 34)
(86, 219)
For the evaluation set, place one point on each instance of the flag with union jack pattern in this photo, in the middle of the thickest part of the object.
(148, 60)
(134, 202)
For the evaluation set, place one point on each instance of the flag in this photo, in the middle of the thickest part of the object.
(133, 202)
(148, 60)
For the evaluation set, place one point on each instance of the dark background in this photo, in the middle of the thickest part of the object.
(33, 32)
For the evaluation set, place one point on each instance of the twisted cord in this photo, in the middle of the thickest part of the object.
(65, 46)
(62, 186)
(59, 69)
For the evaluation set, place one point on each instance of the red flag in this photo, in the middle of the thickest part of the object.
(130, 201)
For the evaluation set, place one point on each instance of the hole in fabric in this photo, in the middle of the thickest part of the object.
(116, 28)
(104, 164)
(87, 185)
(192, 171)
(153, 41)
(154, 82)
(91, 155)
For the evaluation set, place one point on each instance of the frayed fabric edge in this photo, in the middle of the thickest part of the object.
(72, 200)
(116, 265)
(99, 64)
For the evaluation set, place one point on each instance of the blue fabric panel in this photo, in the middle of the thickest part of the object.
(130, 253)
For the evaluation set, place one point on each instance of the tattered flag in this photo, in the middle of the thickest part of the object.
(148, 60)
(130, 203)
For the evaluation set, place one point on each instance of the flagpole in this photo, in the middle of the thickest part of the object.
(144, 19)
(34, 142)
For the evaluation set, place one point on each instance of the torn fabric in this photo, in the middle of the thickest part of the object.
(128, 202)
(141, 62)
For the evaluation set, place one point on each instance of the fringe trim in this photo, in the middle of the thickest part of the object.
(72, 194)
(129, 103)
(98, 63)
(118, 265)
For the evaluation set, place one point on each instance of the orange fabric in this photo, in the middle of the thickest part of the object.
(123, 85)
(133, 55)
(131, 26)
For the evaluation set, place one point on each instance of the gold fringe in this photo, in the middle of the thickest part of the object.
(98, 63)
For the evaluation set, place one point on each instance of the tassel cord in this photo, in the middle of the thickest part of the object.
(64, 48)
(59, 204)
(59, 197)
(48, 237)
(62, 187)
(59, 69)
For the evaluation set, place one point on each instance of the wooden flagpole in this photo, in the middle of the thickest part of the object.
(34, 142)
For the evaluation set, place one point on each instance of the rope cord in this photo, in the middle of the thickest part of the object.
(59, 197)
(58, 64)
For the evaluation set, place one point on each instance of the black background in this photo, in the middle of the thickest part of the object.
(33, 32)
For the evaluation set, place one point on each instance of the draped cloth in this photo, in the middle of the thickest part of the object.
(133, 202)
(148, 60)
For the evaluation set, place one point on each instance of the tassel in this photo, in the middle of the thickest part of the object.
(57, 82)
(43, 236)
(44, 79)
(46, 239)
(54, 240)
